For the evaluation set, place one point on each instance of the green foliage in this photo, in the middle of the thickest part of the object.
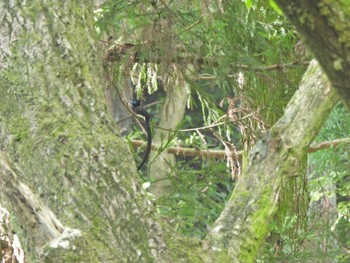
(331, 175)
(214, 50)
(248, 3)
(218, 40)
(275, 7)
(199, 187)
(197, 196)
(328, 228)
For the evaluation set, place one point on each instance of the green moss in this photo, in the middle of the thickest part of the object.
(221, 256)
(259, 227)
(17, 226)
(185, 249)
(19, 129)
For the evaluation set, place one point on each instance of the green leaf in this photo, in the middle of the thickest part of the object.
(275, 7)
(248, 4)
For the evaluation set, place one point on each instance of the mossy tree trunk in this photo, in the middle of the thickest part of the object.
(55, 128)
(275, 160)
(324, 26)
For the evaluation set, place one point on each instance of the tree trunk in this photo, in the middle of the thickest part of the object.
(274, 160)
(324, 27)
(55, 128)
(171, 115)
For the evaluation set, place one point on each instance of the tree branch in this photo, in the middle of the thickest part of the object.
(330, 43)
(220, 154)
(121, 51)
(327, 144)
(276, 158)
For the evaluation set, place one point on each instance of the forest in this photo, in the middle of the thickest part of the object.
(175, 131)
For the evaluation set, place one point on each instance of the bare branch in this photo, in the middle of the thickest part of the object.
(121, 51)
(220, 154)
(325, 145)
(190, 152)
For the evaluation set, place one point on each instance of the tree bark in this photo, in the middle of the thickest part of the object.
(172, 113)
(324, 27)
(76, 170)
(274, 160)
